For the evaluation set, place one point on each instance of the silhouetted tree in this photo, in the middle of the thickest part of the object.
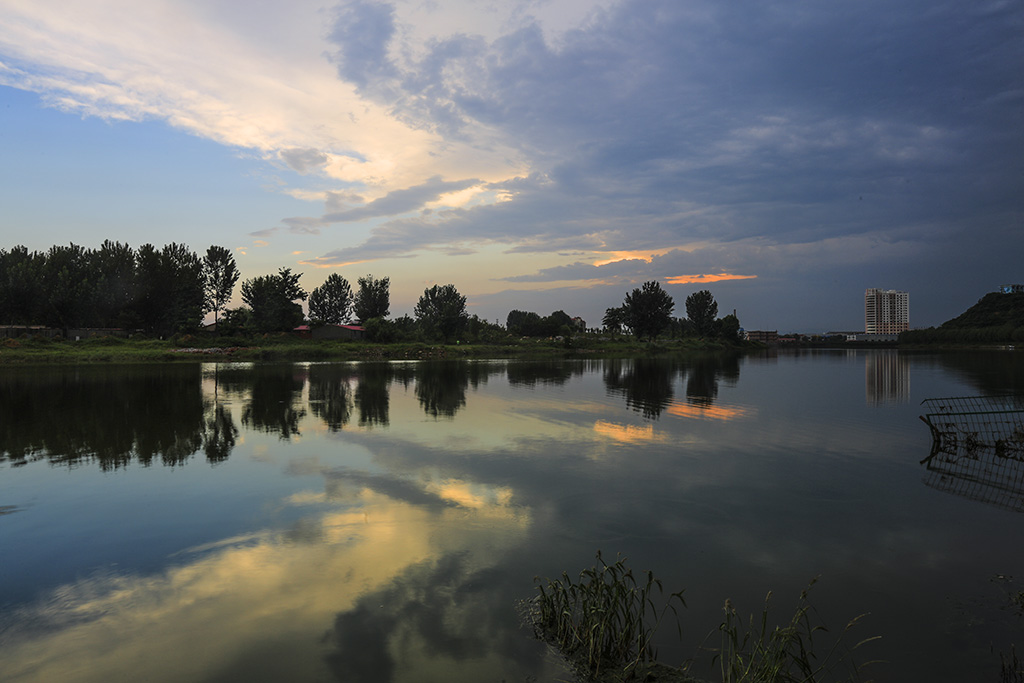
(219, 277)
(442, 309)
(170, 296)
(68, 287)
(21, 290)
(373, 300)
(648, 310)
(331, 302)
(702, 309)
(729, 328)
(114, 295)
(614, 319)
(273, 300)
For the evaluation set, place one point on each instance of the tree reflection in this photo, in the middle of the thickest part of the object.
(273, 400)
(372, 394)
(703, 374)
(533, 373)
(330, 394)
(220, 436)
(646, 383)
(110, 415)
(441, 387)
(991, 373)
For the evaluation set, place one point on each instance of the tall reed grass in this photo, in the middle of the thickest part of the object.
(606, 619)
(758, 653)
(604, 624)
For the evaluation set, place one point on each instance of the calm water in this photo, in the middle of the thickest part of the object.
(378, 522)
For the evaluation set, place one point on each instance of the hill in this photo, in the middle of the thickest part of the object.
(992, 310)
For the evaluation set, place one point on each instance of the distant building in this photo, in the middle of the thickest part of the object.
(330, 332)
(763, 336)
(886, 311)
(1011, 289)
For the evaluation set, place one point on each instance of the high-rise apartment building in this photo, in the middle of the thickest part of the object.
(886, 311)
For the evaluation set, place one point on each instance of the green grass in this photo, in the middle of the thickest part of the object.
(285, 347)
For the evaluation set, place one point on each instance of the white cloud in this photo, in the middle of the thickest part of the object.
(205, 69)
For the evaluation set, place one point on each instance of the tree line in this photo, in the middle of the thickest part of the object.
(170, 290)
(158, 291)
(647, 313)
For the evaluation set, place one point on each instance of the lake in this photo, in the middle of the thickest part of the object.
(379, 521)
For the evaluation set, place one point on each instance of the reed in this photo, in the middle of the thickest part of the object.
(783, 654)
(606, 619)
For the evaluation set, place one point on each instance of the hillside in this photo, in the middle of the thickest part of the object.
(992, 310)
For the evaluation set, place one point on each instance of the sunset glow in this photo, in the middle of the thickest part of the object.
(704, 279)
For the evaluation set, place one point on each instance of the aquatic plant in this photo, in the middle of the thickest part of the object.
(1011, 669)
(782, 654)
(604, 624)
(605, 619)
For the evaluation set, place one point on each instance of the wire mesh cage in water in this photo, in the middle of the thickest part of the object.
(978, 448)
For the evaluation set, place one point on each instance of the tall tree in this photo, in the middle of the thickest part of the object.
(373, 300)
(648, 310)
(114, 266)
(523, 323)
(170, 296)
(443, 310)
(182, 272)
(274, 300)
(68, 287)
(614, 319)
(729, 327)
(702, 310)
(331, 302)
(21, 291)
(219, 277)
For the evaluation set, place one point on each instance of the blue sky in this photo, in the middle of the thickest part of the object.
(538, 155)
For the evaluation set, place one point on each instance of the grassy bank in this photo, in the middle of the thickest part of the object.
(289, 348)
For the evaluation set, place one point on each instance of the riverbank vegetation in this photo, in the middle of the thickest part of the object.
(997, 318)
(271, 347)
(149, 304)
(605, 622)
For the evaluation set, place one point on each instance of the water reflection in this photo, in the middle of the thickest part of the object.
(72, 415)
(402, 574)
(441, 387)
(167, 414)
(331, 396)
(391, 540)
(648, 385)
(372, 394)
(887, 376)
(274, 399)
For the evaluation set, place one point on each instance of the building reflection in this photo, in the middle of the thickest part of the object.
(886, 377)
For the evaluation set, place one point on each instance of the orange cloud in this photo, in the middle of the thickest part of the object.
(318, 264)
(698, 279)
(710, 411)
(648, 256)
(625, 433)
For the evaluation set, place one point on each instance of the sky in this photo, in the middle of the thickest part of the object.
(540, 155)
